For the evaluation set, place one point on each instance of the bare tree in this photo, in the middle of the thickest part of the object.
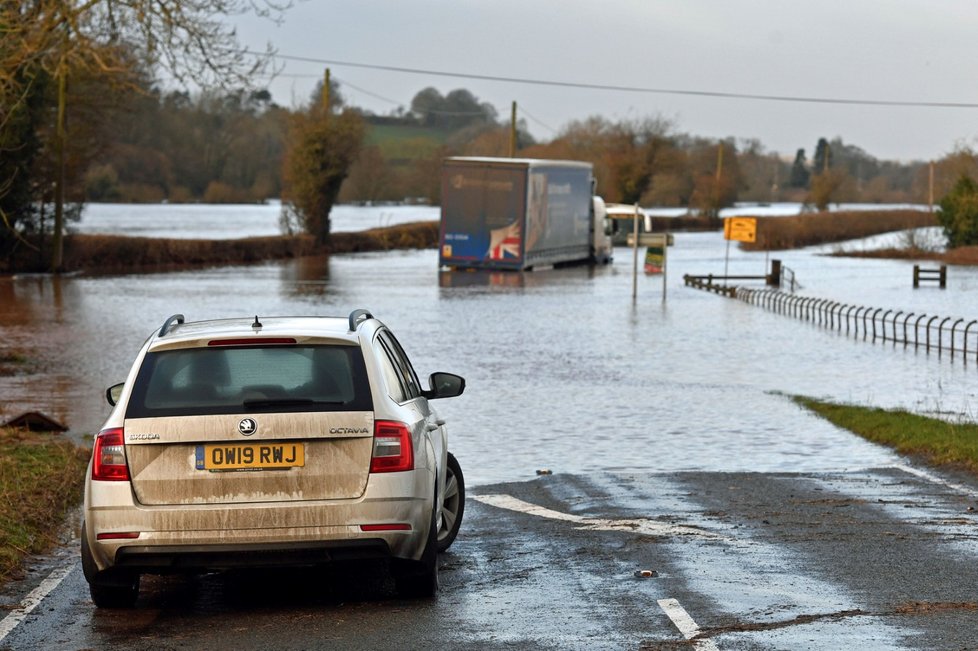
(190, 39)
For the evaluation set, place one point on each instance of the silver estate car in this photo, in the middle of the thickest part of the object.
(295, 441)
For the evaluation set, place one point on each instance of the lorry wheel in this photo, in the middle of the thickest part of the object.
(453, 505)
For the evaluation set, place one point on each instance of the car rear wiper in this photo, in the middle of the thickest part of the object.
(262, 403)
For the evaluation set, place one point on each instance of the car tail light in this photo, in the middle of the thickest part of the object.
(109, 456)
(120, 535)
(393, 450)
(396, 526)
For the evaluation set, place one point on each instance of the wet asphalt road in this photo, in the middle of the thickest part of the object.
(874, 559)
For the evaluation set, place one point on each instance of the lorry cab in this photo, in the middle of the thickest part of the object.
(622, 218)
(602, 248)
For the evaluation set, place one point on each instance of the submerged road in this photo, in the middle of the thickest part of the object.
(884, 558)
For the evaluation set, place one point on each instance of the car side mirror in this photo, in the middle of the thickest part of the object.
(113, 393)
(444, 385)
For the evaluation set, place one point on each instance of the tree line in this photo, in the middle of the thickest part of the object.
(83, 117)
(149, 145)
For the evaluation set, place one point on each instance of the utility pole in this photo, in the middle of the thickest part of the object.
(635, 255)
(512, 131)
(719, 174)
(57, 242)
(326, 90)
(930, 191)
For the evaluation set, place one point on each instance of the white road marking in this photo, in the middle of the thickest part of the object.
(35, 597)
(934, 479)
(644, 527)
(689, 628)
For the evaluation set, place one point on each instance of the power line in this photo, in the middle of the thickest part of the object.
(636, 89)
(519, 107)
(276, 75)
(367, 92)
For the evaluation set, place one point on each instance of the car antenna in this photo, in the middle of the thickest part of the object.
(257, 324)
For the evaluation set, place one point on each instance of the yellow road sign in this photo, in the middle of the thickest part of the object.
(741, 229)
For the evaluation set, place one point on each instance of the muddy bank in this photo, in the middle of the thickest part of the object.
(963, 255)
(97, 254)
(119, 254)
(781, 233)
(686, 223)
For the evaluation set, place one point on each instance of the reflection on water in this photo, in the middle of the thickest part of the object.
(470, 278)
(309, 275)
(564, 371)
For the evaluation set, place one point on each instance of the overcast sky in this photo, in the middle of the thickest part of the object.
(875, 50)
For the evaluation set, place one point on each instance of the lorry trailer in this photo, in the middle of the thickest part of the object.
(520, 214)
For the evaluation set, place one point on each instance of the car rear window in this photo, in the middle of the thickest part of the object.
(249, 379)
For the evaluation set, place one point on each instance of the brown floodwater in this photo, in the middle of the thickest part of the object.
(564, 371)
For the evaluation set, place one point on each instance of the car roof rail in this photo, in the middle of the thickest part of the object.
(356, 316)
(176, 319)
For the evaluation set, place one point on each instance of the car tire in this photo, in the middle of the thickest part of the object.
(116, 590)
(419, 579)
(453, 504)
(115, 596)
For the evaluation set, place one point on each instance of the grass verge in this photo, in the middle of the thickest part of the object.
(41, 478)
(938, 442)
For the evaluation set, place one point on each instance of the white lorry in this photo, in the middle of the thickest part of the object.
(518, 214)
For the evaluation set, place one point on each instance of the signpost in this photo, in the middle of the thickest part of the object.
(651, 239)
(740, 229)
(655, 255)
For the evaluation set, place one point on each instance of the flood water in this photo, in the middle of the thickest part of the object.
(209, 221)
(564, 371)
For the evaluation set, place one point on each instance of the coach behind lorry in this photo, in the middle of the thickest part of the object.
(519, 214)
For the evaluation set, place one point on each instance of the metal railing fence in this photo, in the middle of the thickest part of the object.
(917, 329)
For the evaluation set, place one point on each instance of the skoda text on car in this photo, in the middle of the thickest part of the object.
(282, 441)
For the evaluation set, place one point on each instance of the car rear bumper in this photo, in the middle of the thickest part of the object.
(163, 559)
(381, 523)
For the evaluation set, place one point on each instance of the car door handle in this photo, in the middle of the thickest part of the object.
(435, 425)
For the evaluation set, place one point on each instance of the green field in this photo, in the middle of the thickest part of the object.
(406, 142)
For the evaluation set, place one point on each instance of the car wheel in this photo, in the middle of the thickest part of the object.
(420, 578)
(452, 506)
(107, 590)
(114, 595)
